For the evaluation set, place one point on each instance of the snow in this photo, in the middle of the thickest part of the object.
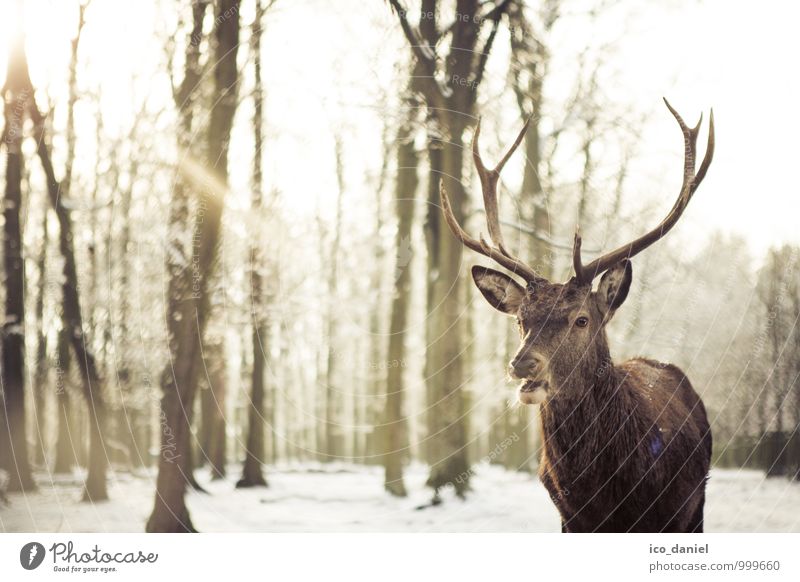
(338, 497)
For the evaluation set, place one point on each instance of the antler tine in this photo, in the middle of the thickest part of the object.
(576, 255)
(499, 167)
(691, 180)
(690, 145)
(509, 262)
(701, 173)
(489, 179)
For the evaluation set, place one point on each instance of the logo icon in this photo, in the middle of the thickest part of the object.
(31, 555)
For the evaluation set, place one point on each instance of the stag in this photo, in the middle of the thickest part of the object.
(626, 447)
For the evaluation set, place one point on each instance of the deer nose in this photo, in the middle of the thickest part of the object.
(521, 366)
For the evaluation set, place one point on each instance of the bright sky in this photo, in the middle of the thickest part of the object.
(329, 63)
(738, 58)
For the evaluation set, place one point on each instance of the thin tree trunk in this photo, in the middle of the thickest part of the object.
(450, 466)
(253, 470)
(132, 412)
(40, 373)
(65, 453)
(214, 354)
(371, 414)
(95, 489)
(206, 428)
(333, 429)
(367, 415)
(395, 425)
(432, 228)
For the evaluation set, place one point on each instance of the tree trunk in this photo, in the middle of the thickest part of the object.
(17, 94)
(450, 465)
(95, 489)
(131, 411)
(333, 421)
(432, 228)
(395, 426)
(175, 466)
(253, 470)
(371, 413)
(189, 285)
(215, 364)
(449, 88)
(65, 453)
(40, 378)
(95, 486)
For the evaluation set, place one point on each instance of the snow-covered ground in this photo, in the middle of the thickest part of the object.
(327, 498)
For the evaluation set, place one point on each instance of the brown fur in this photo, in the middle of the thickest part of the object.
(625, 447)
(631, 454)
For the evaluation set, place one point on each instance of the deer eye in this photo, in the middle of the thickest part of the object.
(582, 321)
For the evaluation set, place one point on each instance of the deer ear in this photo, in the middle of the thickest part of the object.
(500, 290)
(614, 287)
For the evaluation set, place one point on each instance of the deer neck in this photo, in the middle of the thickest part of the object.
(580, 417)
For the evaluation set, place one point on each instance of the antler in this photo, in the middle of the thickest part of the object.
(489, 178)
(691, 180)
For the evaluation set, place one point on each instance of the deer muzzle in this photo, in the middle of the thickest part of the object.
(533, 392)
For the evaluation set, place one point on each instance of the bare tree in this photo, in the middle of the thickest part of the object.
(189, 301)
(449, 89)
(334, 445)
(72, 319)
(40, 379)
(406, 185)
(17, 95)
(253, 469)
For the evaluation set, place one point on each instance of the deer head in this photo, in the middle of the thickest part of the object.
(562, 325)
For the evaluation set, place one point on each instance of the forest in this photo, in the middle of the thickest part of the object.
(233, 301)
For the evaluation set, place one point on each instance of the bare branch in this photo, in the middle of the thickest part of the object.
(423, 53)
